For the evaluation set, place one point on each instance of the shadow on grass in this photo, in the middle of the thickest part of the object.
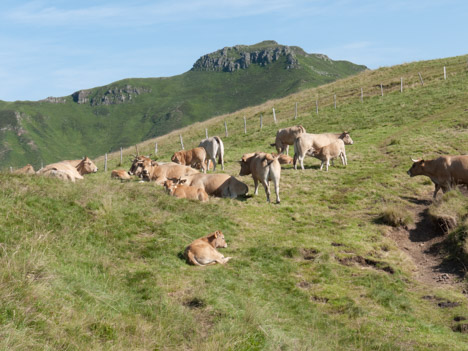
(416, 201)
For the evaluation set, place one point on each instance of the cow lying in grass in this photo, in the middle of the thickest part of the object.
(120, 174)
(28, 169)
(283, 159)
(161, 172)
(220, 185)
(175, 188)
(202, 252)
(69, 170)
(330, 152)
(263, 167)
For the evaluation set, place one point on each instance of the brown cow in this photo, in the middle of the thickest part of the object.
(138, 163)
(220, 185)
(283, 159)
(286, 137)
(28, 169)
(329, 152)
(263, 167)
(83, 166)
(161, 172)
(445, 171)
(175, 188)
(191, 157)
(202, 251)
(306, 141)
(120, 174)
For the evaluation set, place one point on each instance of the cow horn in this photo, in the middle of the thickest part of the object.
(412, 159)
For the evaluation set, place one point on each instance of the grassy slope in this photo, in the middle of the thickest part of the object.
(70, 130)
(95, 265)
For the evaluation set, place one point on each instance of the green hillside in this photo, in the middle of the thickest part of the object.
(95, 121)
(96, 265)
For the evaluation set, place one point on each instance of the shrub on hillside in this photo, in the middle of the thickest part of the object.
(395, 216)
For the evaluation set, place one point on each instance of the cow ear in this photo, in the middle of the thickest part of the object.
(216, 234)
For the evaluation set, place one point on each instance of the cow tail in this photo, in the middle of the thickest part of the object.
(191, 258)
(220, 150)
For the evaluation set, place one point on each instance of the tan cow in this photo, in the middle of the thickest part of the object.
(283, 159)
(138, 163)
(83, 166)
(175, 188)
(330, 152)
(263, 167)
(202, 251)
(286, 137)
(191, 157)
(120, 174)
(61, 170)
(28, 169)
(445, 171)
(220, 185)
(161, 172)
(306, 141)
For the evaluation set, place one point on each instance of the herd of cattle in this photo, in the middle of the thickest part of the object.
(182, 178)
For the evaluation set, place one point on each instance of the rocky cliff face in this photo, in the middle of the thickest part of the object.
(241, 57)
(111, 96)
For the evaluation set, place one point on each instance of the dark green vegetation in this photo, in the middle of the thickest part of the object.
(95, 121)
(96, 265)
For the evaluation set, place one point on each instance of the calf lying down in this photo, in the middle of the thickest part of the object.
(175, 187)
(202, 251)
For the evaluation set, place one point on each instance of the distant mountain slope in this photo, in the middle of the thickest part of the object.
(94, 121)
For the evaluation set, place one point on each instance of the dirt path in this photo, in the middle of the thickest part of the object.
(422, 242)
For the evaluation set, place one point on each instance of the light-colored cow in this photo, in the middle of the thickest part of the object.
(219, 185)
(61, 170)
(306, 141)
(28, 169)
(214, 148)
(138, 164)
(202, 251)
(175, 188)
(330, 152)
(445, 171)
(83, 166)
(283, 159)
(191, 157)
(286, 137)
(263, 167)
(161, 172)
(120, 174)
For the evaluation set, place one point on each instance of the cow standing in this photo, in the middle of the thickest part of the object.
(191, 157)
(445, 171)
(286, 137)
(330, 152)
(214, 148)
(263, 167)
(306, 142)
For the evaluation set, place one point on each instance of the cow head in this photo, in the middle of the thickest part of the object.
(177, 157)
(138, 164)
(346, 138)
(146, 170)
(417, 168)
(86, 166)
(217, 239)
(245, 164)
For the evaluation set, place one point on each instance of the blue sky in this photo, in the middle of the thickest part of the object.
(54, 48)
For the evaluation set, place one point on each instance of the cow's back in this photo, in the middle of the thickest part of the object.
(458, 166)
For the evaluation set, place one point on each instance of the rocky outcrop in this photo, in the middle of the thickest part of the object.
(241, 57)
(111, 96)
(54, 100)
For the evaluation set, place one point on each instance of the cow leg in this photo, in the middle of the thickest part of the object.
(266, 185)
(301, 159)
(321, 165)
(276, 184)
(287, 150)
(256, 187)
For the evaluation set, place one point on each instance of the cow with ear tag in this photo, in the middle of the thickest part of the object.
(202, 251)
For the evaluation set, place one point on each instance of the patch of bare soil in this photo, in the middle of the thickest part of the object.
(423, 242)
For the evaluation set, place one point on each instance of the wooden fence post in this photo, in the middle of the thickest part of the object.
(225, 129)
(155, 149)
(334, 100)
(245, 126)
(381, 89)
(181, 141)
(261, 121)
(105, 163)
(401, 84)
(120, 164)
(316, 106)
(11, 169)
(295, 112)
(420, 78)
(206, 133)
(274, 115)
